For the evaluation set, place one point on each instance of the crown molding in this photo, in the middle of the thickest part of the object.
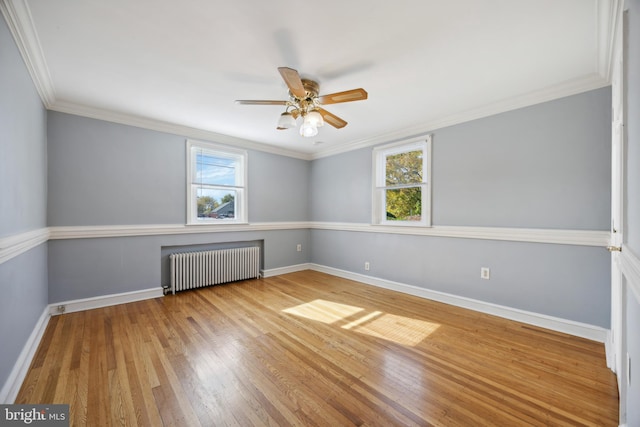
(609, 15)
(20, 23)
(571, 87)
(172, 128)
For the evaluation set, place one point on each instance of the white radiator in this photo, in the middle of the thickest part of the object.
(191, 270)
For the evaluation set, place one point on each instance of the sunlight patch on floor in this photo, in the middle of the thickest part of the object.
(392, 327)
(399, 329)
(323, 311)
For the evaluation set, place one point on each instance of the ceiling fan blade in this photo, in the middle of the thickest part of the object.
(346, 96)
(253, 102)
(293, 81)
(332, 119)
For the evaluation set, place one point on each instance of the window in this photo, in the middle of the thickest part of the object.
(216, 184)
(402, 183)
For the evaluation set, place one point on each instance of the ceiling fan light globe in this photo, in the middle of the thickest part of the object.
(308, 130)
(286, 121)
(315, 118)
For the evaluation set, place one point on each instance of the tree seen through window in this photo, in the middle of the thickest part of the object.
(403, 182)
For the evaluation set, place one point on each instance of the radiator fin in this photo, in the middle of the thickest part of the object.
(190, 270)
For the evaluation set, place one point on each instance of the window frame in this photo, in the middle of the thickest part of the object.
(241, 156)
(379, 214)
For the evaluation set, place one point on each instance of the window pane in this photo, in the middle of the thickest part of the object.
(403, 168)
(220, 204)
(404, 204)
(215, 170)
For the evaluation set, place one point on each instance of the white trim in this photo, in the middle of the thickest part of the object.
(17, 244)
(608, 14)
(240, 187)
(609, 350)
(284, 270)
(100, 231)
(531, 235)
(17, 375)
(171, 128)
(572, 87)
(630, 266)
(104, 301)
(380, 188)
(12, 246)
(20, 23)
(578, 329)
(19, 20)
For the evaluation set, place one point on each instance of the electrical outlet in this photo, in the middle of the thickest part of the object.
(367, 266)
(299, 247)
(485, 273)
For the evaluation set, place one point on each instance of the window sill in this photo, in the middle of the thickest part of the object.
(216, 223)
(401, 224)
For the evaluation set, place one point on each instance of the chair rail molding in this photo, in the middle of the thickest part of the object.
(14, 245)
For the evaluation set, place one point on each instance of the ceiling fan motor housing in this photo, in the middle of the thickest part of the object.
(311, 87)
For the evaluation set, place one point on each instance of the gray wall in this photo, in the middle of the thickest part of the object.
(556, 280)
(84, 268)
(103, 173)
(106, 174)
(342, 187)
(23, 166)
(632, 203)
(23, 282)
(23, 144)
(544, 166)
(278, 188)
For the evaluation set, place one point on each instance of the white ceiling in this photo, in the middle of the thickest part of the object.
(179, 66)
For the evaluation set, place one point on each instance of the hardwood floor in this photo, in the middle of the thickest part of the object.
(312, 349)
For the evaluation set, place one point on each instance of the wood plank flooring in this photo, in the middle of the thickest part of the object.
(312, 349)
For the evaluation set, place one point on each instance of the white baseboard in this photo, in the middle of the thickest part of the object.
(284, 270)
(610, 351)
(104, 301)
(594, 333)
(16, 377)
(12, 386)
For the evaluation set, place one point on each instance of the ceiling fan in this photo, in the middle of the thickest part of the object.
(304, 101)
